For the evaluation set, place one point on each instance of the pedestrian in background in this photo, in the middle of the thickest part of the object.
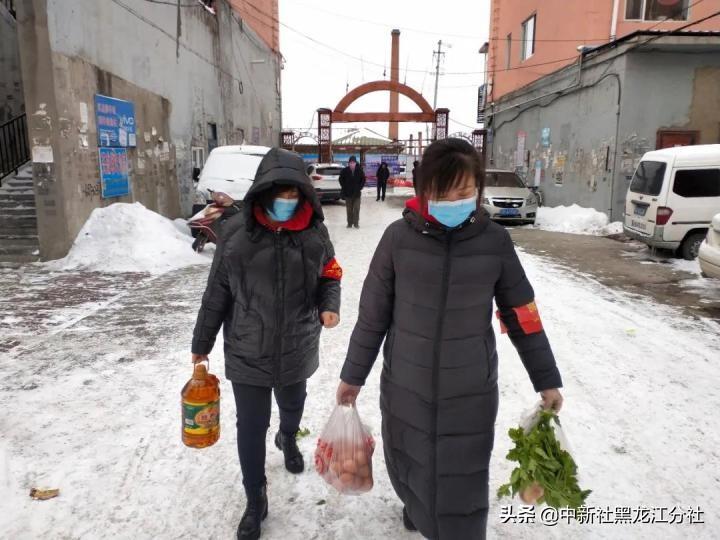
(429, 296)
(274, 284)
(352, 182)
(383, 174)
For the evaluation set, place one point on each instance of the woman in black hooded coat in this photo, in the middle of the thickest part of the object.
(274, 283)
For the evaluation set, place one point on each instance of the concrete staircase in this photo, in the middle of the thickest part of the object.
(18, 219)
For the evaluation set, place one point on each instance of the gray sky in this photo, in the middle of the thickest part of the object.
(316, 76)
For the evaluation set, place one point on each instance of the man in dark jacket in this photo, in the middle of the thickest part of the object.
(352, 182)
(416, 164)
(383, 174)
(274, 283)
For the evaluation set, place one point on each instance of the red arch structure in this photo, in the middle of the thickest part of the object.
(326, 117)
(426, 115)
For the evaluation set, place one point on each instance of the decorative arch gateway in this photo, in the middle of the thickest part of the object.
(326, 117)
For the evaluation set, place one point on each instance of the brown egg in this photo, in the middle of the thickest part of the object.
(361, 457)
(346, 480)
(350, 466)
(364, 471)
(336, 468)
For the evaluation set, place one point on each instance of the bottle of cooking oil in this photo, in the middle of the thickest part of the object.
(201, 408)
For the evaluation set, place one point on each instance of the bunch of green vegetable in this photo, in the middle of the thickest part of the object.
(545, 473)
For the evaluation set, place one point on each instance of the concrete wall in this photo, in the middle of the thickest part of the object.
(183, 68)
(573, 163)
(12, 102)
(593, 150)
(674, 91)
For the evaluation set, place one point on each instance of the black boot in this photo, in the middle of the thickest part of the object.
(255, 512)
(409, 525)
(294, 462)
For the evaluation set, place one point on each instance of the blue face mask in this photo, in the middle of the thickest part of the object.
(452, 213)
(282, 209)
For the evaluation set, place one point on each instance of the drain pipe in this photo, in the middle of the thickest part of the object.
(613, 24)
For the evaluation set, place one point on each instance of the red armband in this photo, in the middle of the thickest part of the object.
(332, 270)
(528, 319)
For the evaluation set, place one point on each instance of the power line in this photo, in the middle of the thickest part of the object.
(198, 4)
(365, 61)
(433, 33)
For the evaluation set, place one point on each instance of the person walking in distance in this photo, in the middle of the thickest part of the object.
(416, 164)
(352, 182)
(383, 174)
(274, 284)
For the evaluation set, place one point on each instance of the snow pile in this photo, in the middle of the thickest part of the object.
(130, 238)
(576, 220)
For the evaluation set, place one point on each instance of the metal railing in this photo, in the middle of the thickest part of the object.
(14, 147)
(10, 6)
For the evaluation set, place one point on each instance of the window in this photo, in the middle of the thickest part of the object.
(198, 157)
(656, 10)
(697, 183)
(528, 38)
(503, 179)
(508, 58)
(648, 178)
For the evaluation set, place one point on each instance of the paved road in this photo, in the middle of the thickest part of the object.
(625, 265)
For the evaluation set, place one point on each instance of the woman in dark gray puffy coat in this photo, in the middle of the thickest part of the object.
(273, 284)
(429, 295)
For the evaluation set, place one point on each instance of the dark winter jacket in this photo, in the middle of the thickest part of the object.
(352, 183)
(383, 173)
(429, 293)
(267, 287)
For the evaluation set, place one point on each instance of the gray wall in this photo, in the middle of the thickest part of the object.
(12, 102)
(183, 68)
(593, 150)
(576, 160)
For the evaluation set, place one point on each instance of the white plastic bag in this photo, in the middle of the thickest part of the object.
(530, 418)
(343, 456)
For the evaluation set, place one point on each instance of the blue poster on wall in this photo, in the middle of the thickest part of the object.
(115, 120)
(545, 136)
(114, 172)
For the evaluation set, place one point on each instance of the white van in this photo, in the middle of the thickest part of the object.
(673, 196)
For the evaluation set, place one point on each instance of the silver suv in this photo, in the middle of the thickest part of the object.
(326, 180)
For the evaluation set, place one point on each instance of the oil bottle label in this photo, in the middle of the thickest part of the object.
(201, 418)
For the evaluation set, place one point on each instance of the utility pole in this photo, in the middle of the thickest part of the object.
(439, 54)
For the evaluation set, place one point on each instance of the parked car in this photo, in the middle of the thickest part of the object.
(507, 198)
(230, 170)
(326, 179)
(709, 253)
(673, 196)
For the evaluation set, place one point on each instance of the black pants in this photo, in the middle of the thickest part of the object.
(381, 189)
(253, 420)
(352, 205)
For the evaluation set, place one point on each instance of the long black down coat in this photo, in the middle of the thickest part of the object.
(429, 292)
(266, 288)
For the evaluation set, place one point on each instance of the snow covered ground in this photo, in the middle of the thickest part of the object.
(90, 397)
